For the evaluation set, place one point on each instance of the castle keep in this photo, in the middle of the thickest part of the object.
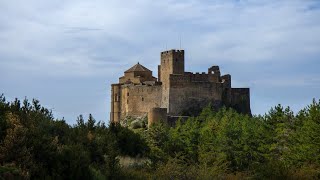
(175, 92)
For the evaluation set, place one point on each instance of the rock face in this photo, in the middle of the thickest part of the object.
(135, 122)
(174, 93)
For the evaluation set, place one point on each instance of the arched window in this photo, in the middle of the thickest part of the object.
(142, 99)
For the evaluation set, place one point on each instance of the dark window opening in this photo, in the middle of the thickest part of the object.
(142, 99)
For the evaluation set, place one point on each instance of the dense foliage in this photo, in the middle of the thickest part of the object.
(213, 145)
(33, 145)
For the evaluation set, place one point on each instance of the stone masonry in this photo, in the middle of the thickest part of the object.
(175, 92)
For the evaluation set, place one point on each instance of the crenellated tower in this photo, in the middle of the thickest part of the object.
(172, 62)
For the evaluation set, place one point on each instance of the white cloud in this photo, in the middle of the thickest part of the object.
(225, 31)
(97, 38)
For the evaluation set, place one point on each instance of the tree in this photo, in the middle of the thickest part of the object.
(13, 148)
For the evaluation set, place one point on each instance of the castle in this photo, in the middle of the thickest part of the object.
(174, 93)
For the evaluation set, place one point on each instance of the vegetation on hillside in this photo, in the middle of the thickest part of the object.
(213, 145)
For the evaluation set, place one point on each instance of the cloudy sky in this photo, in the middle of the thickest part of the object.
(66, 53)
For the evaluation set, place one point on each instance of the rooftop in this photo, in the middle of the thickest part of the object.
(137, 68)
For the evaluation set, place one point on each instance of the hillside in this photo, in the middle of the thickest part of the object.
(213, 145)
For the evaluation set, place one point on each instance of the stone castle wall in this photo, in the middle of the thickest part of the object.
(137, 100)
(175, 93)
(193, 92)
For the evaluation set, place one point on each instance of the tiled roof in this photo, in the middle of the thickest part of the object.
(137, 67)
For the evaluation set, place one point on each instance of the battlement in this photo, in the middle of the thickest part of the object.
(203, 77)
(172, 51)
(199, 77)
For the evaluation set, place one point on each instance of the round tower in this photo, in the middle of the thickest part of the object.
(115, 103)
(155, 115)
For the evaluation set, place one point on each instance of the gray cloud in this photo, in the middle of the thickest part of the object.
(93, 42)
